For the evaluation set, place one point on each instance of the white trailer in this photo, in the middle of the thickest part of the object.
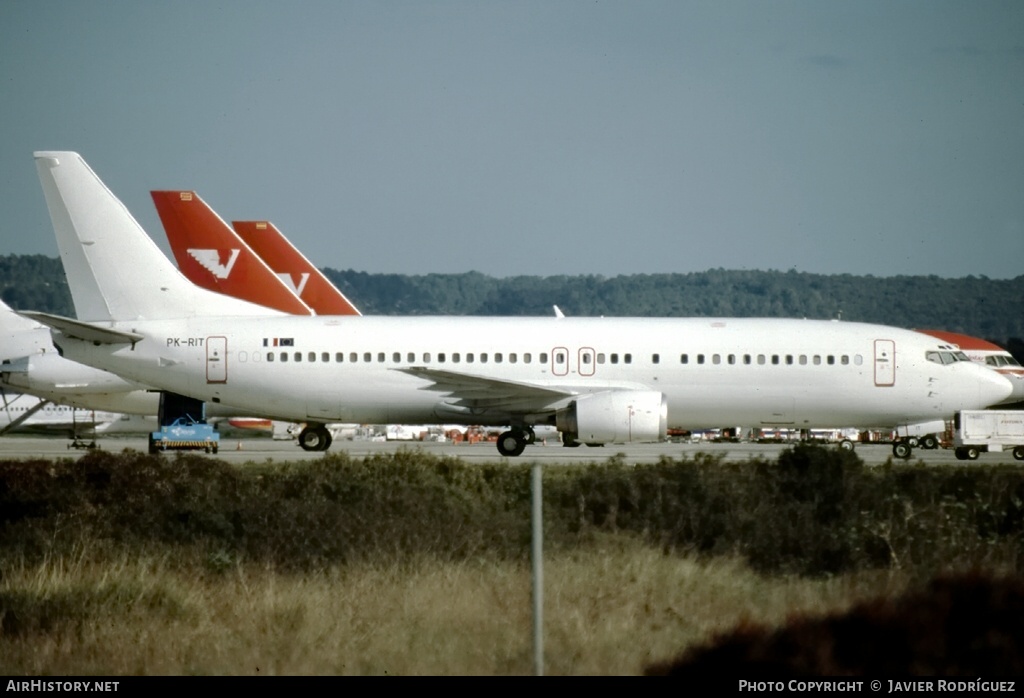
(975, 431)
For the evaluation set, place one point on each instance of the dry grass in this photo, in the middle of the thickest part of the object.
(610, 610)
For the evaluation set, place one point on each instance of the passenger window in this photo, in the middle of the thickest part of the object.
(411, 357)
(559, 358)
(298, 356)
(615, 358)
(684, 358)
(284, 357)
(844, 360)
(440, 357)
(543, 357)
(803, 359)
(498, 358)
(731, 358)
(456, 357)
(312, 356)
(513, 358)
(747, 359)
(469, 358)
(831, 360)
(656, 358)
(789, 359)
(426, 357)
(585, 359)
(760, 359)
(627, 358)
(270, 356)
(858, 359)
(817, 360)
(339, 357)
(716, 359)
(527, 358)
(700, 358)
(353, 357)
(775, 359)
(396, 357)
(483, 358)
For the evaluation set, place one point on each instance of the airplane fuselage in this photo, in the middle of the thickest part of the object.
(493, 371)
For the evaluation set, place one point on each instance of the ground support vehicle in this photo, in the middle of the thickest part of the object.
(185, 434)
(978, 431)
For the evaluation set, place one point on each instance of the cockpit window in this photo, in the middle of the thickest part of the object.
(1001, 361)
(946, 357)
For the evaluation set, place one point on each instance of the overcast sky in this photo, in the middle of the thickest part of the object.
(541, 138)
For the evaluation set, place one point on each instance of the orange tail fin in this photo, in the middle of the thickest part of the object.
(212, 256)
(292, 266)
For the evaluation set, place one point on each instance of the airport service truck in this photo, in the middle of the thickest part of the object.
(975, 431)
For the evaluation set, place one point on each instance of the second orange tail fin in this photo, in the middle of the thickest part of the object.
(292, 266)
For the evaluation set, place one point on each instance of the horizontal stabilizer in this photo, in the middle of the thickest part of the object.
(83, 330)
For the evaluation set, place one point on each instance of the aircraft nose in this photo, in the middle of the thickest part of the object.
(1017, 382)
(993, 388)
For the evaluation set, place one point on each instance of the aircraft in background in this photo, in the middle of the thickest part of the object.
(212, 256)
(295, 270)
(22, 413)
(598, 380)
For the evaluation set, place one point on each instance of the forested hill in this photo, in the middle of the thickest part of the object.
(982, 307)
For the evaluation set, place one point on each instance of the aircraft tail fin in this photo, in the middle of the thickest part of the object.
(292, 266)
(214, 257)
(114, 270)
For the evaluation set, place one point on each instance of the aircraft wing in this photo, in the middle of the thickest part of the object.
(82, 330)
(479, 391)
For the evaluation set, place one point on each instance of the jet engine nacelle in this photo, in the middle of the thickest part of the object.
(616, 416)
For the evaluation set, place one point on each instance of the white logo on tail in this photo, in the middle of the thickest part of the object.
(210, 259)
(290, 282)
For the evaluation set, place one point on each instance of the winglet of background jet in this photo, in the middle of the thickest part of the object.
(213, 256)
(295, 270)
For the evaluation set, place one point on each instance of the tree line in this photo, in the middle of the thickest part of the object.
(992, 309)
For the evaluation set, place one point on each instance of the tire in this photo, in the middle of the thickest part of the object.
(901, 449)
(846, 445)
(511, 443)
(315, 438)
(972, 452)
(1018, 453)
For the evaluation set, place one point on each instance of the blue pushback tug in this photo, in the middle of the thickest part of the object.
(180, 430)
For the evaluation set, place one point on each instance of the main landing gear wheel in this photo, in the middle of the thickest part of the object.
(315, 438)
(1018, 453)
(902, 449)
(513, 442)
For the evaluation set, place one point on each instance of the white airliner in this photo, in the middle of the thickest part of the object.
(599, 380)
